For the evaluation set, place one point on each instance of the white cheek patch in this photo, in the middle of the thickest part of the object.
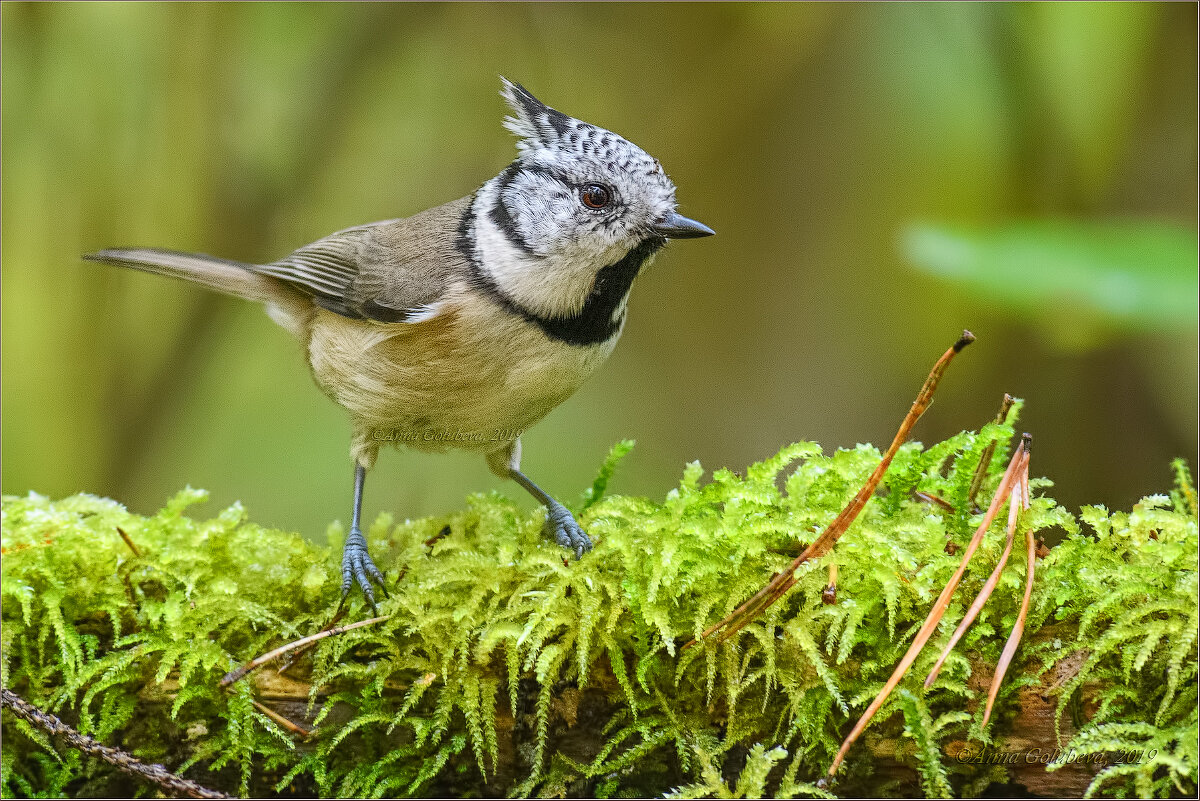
(543, 211)
(549, 287)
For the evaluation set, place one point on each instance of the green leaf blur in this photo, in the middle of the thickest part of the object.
(1137, 275)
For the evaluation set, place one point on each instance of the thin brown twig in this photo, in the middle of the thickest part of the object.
(929, 497)
(123, 760)
(985, 458)
(129, 542)
(292, 726)
(829, 536)
(1014, 638)
(238, 673)
(985, 593)
(775, 590)
(338, 614)
(1007, 483)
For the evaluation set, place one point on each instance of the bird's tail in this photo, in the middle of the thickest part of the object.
(287, 306)
(230, 277)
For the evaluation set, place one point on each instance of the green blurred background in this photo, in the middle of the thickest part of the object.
(880, 176)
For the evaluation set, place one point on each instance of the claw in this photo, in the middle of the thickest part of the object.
(358, 568)
(561, 525)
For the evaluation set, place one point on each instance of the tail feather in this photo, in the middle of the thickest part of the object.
(287, 306)
(230, 277)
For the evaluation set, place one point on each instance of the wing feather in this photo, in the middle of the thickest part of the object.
(333, 270)
(394, 271)
(327, 268)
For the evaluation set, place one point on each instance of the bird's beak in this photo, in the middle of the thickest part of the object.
(676, 226)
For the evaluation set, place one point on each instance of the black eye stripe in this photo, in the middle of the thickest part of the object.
(542, 170)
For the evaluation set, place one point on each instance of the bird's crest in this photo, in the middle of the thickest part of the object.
(533, 121)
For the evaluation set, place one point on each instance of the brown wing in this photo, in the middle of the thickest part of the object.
(393, 271)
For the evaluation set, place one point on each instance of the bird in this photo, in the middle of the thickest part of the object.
(463, 325)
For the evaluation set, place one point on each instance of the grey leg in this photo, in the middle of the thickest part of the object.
(560, 523)
(357, 566)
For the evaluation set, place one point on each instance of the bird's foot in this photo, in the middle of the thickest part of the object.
(358, 568)
(561, 525)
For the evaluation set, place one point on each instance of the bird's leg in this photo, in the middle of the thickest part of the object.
(560, 523)
(357, 566)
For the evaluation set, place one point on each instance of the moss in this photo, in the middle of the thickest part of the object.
(504, 669)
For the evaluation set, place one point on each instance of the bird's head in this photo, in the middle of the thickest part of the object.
(578, 198)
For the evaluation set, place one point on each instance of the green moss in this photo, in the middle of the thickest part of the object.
(496, 646)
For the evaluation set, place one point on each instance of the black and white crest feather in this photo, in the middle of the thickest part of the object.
(533, 120)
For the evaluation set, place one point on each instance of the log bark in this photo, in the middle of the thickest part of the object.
(1025, 742)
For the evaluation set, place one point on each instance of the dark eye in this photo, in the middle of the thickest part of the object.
(595, 196)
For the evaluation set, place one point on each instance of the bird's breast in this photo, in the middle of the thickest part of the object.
(474, 376)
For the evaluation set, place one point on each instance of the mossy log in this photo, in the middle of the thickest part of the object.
(504, 669)
(577, 718)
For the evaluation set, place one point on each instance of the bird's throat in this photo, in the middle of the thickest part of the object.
(600, 316)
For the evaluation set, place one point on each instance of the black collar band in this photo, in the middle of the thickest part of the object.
(591, 325)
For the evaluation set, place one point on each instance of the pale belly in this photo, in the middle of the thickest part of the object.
(475, 381)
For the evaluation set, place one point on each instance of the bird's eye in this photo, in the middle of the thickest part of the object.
(595, 196)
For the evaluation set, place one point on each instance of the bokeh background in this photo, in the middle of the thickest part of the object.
(880, 176)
